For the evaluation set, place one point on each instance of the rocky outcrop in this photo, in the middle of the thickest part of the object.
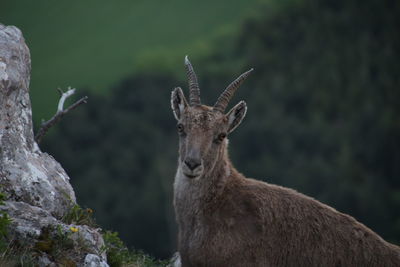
(37, 188)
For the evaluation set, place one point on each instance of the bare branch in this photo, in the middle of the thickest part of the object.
(64, 96)
(60, 112)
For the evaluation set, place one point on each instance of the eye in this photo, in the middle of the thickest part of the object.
(180, 128)
(221, 137)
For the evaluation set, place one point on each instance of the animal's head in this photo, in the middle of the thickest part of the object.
(203, 130)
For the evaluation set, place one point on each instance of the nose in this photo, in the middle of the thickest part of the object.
(192, 163)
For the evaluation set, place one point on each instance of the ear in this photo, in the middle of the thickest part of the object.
(236, 115)
(178, 102)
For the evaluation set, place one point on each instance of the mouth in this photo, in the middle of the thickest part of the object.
(191, 176)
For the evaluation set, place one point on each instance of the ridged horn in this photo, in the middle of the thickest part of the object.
(194, 90)
(226, 96)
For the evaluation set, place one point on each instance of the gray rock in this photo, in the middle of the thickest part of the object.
(175, 261)
(26, 174)
(44, 261)
(92, 260)
(37, 188)
(27, 220)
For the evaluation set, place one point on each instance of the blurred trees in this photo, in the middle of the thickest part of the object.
(325, 112)
(323, 118)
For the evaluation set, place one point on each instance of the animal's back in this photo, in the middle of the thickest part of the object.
(259, 224)
(291, 229)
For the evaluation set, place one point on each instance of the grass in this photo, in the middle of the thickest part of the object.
(79, 216)
(95, 43)
(16, 255)
(11, 252)
(118, 255)
(4, 224)
(59, 246)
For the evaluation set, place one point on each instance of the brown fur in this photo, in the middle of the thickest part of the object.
(226, 219)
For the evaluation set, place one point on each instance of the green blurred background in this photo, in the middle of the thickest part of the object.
(324, 111)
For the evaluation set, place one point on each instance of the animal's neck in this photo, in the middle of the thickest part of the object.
(197, 193)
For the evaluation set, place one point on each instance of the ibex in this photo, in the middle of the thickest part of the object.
(226, 219)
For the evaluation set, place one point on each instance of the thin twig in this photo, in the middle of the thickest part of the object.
(60, 112)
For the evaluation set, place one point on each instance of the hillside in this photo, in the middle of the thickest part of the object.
(93, 44)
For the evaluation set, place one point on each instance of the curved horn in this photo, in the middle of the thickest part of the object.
(194, 95)
(224, 98)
